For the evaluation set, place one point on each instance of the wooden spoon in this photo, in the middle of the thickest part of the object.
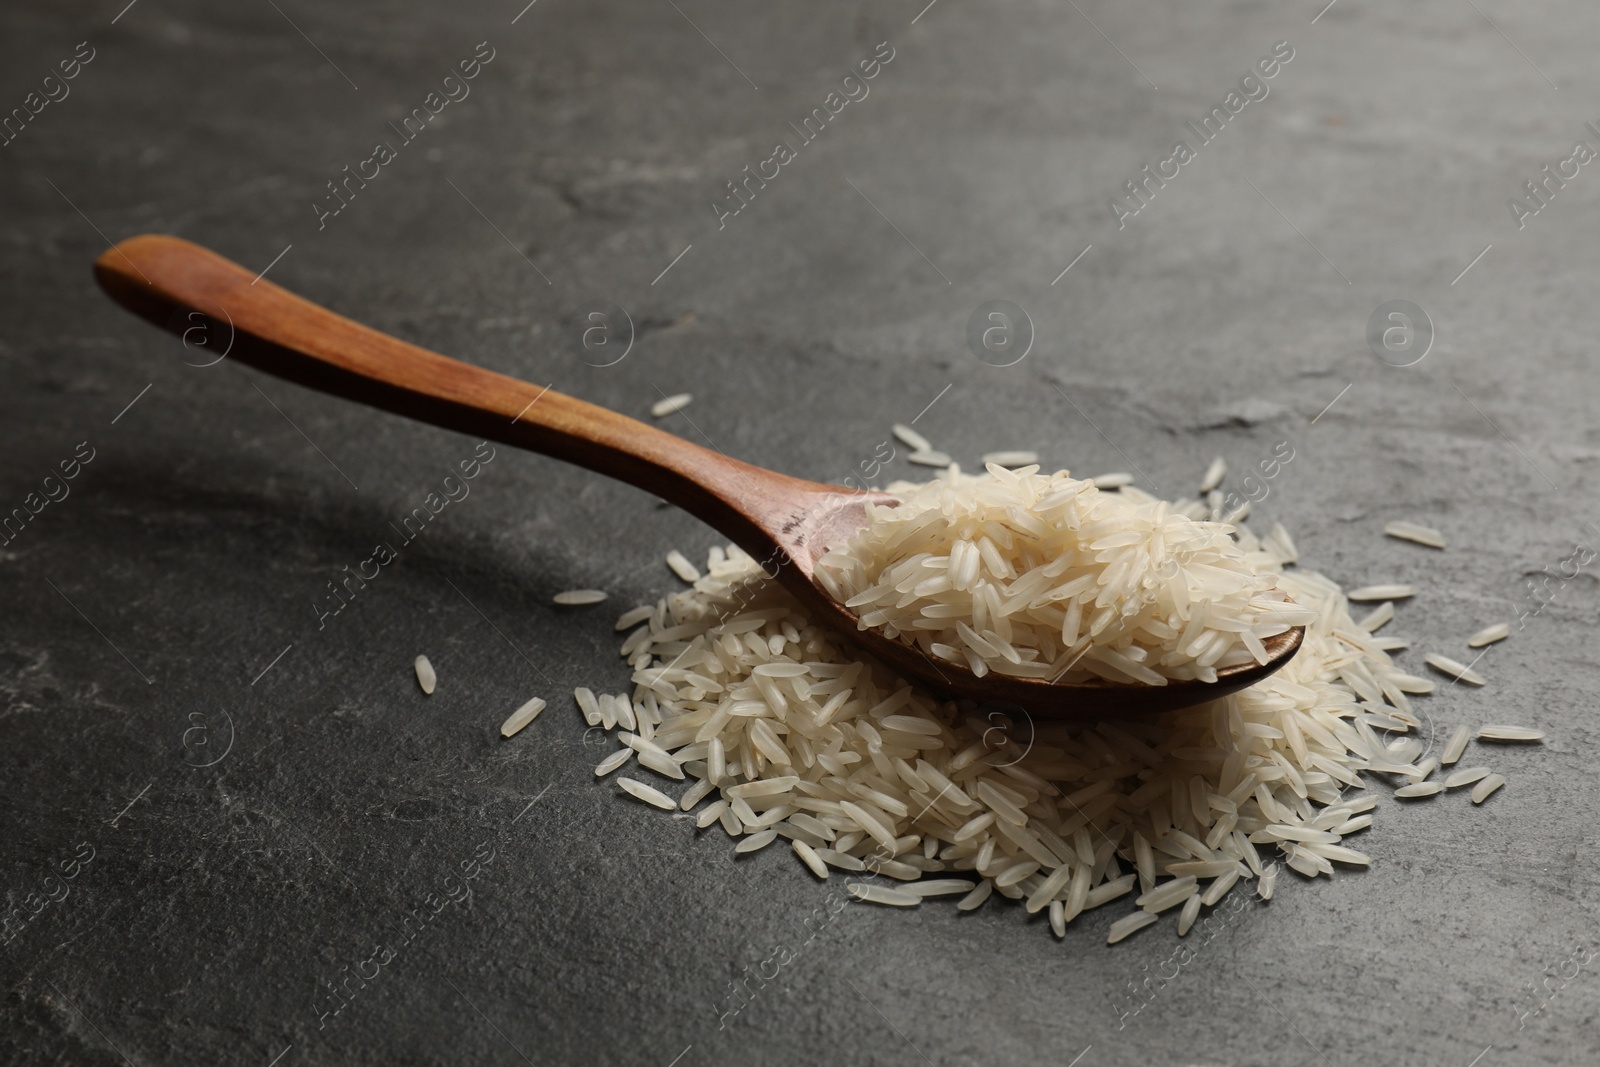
(784, 522)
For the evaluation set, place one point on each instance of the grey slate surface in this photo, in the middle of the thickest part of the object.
(144, 609)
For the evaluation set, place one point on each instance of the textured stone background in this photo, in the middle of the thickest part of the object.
(143, 610)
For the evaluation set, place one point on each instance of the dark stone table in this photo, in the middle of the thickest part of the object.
(219, 804)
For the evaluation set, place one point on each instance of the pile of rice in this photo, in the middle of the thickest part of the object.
(799, 737)
(1049, 577)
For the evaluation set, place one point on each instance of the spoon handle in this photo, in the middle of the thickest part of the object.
(168, 280)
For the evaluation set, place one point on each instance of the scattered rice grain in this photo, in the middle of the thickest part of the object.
(426, 678)
(522, 717)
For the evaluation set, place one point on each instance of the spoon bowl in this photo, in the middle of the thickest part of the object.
(221, 309)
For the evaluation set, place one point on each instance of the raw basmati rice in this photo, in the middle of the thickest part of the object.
(912, 439)
(1410, 531)
(804, 739)
(426, 678)
(1466, 776)
(1381, 592)
(1010, 459)
(573, 597)
(1418, 789)
(930, 458)
(1375, 619)
(651, 796)
(1457, 744)
(613, 761)
(522, 717)
(667, 405)
(1130, 924)
(1186, 917)
(940, 887)
(1115, 480)
(756, 841)
(682, 567)
(710, 814)
(1489, 635)
(1214, 475)
(1459, 671)
(875, 894)
(1047, 577)
(1498, 732)
(809, 857)
(1486, 788)
(629, 619)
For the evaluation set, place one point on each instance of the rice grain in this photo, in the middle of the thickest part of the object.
(522, 717)
(1486, 788)
(576, 597)
(874, 894)
(653, 797)
(1459, 671)
(426, 678)
(668, 405)
(1501, 732)
(912, 439)
(1410, 531)
(1489, 635)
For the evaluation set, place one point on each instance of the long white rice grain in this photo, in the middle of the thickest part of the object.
(1214, 475)
(1130, 924)
(1360, 822)
(1418, 789)
(1010, 459)
(1114, 480)
(612, 762)
(1190, 912)
(694, 794)
(841, 860)
(756, 841)
(1381, 592)
(665, 765)
(575, 597)
(809, 857)
(1106, 892)
(976, 898)
(1379, 615)
(1457, 744)
(1465, 776)
(1410, 531)
(1267, 882)
(1459, 671)
(667, 405)
(682, 567)
(1340, 854)
(522, 717)
(629, 619)
(929, 458)
(1489, 635)
(1503, 732)
(710, 813)
(912, 439)
(1167, 894)
(426, 678)
(654, 797)
(939, 887)
(1219, 888)
(1486, 788)
(875, 894)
